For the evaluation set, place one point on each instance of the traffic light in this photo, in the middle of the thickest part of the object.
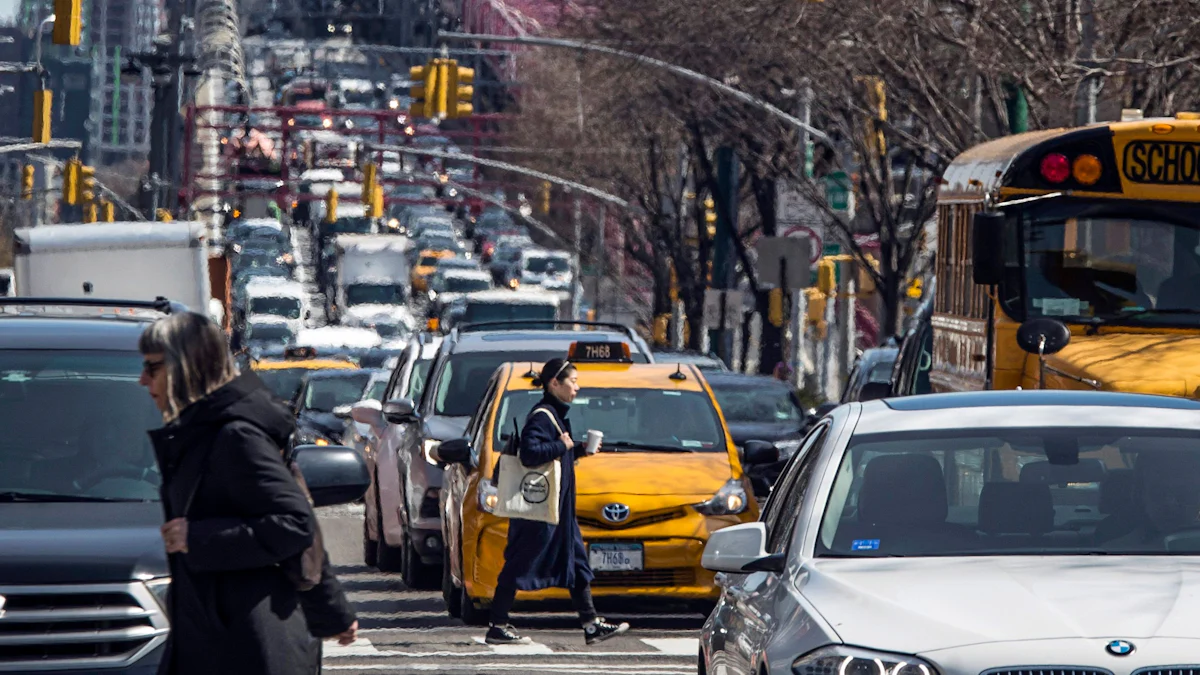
(89, 212)
(826, 276)
(369, 178)
(163, 216)
(424, 95)
(70, 183)
(915, 289)
(373, 201)
(775, 307)
(331, 201)
(108, 211)
(461, 90)
(68, 22)
(27, 181)
(441, 104)
(545, 196)
(42, 105)
(710, 217)
(87, 186)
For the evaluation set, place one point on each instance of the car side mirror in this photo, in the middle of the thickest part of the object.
(453, 451)
(400, 411)
(342, 412)
(872, 391)
(740, 549)
(1042, 337)
(987, 247)
(334, 474)
(759, 452)
(369, 412)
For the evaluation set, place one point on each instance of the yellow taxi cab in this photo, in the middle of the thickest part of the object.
(284, 375)
(667, 476)
(425, 267)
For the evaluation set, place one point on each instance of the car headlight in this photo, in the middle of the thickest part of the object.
(159, 587)
(394, 223)
(841, 660)
(489, 497)
(428, 447)
(310, 437)
(730, 500)
(788, 448)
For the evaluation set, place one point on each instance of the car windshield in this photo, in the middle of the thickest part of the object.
(633, 420)
(465, 285)
(376, 391)
(355, 225)
(1016, 491)
(388, 331)
(276, 306)
(761, 401)
(326, 393)
(508, 311)
(375, 294)
(1100, 267)
(75, 426)
(428, 261)
(269, 332)
(439, 243)
(462, 380)
(548, 264)
(284, 382)
(245, 261)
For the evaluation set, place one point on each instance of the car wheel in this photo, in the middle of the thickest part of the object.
(469, 613)
(451, 594)
(387, 558)
(370, 548)
(417, 575)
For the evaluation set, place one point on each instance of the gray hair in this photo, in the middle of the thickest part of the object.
(196, 357)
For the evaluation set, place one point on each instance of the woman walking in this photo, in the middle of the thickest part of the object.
(540, 555)
(236, 520)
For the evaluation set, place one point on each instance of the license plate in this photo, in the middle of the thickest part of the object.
(615, 557)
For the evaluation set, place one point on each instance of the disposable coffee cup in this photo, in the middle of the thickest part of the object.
(593, 441)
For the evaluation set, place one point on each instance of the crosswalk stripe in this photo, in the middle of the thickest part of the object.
(632, 669)
(515, 650)
(675, 646)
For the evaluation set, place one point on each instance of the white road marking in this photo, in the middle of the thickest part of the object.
(632, 669)
(360, 647)
(515, 650)
(675, 646)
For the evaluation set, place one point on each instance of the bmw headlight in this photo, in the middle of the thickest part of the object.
(841, 660)
(788, 448)
(730, 500)
(159, 587)
(428, 447)
(488, 496)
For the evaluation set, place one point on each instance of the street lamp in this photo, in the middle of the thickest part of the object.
(37, 45)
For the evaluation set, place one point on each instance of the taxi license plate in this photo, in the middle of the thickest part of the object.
(615, 557)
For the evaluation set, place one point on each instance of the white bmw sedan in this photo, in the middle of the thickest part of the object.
(990, 533)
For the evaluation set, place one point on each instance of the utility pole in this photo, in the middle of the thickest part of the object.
(799, 299)
(724, 272)
(601, 256)
(577, 282)
(1086, 100)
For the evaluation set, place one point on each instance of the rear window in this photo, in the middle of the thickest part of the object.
(461, 381)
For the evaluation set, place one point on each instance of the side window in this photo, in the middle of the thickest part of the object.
(416, 380)
(393, 385)
(475, 429)
(784, 504)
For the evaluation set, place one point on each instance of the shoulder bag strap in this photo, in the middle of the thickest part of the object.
(553, 419)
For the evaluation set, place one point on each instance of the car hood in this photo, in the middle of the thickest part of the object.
(92, 542)
(324, 422)
(442, 428)
(1142, 363)
(918, 605)
(763, 431)
(652, 473)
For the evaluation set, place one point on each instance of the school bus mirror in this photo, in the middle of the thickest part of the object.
(1043, 337)
(987, 247)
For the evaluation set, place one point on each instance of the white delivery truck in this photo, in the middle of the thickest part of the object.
(119, 261)
(372, 270)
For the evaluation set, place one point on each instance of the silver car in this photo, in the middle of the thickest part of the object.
(989, 533)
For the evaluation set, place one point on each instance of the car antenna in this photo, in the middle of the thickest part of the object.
(678, 375)
(532, 374)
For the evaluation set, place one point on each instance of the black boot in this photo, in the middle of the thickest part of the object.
(600, 630)
(505, 635)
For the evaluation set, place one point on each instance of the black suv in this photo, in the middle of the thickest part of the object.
(83, 573)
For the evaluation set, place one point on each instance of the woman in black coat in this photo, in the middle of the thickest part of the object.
(540, 555)
(236, 518)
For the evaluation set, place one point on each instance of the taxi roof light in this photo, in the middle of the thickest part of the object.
(1087, 169)
(1055, 167)
(599, 352)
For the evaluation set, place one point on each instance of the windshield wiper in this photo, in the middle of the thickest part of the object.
(18, 496)
(1137, 313)
(651, 447)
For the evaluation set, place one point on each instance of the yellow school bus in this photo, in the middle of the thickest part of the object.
(1092, 233)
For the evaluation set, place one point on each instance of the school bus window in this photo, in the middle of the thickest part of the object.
(1106, 267)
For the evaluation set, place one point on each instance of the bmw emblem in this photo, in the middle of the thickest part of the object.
(1119, 648)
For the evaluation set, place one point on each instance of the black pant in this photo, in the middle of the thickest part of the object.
(581, 596)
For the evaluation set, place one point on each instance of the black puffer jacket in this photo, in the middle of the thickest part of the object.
(232, 609)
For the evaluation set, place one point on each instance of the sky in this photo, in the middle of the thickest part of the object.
(8, 10)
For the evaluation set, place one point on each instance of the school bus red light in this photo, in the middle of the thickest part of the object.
(1086, 169)
(1055, 167)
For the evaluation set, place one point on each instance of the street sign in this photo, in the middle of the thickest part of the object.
(815, 243)
(783, 262)
(838, 192)
(722, 309)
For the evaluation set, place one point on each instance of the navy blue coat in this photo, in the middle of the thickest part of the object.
(540, 555)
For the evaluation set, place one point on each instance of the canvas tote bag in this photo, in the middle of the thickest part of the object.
(528, 492)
